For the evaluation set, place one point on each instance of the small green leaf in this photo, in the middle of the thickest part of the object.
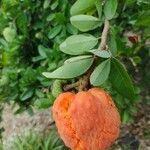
(54, 5)
(101, 73)
(50, 17)
(101, 53)
(121, 80)
(44, 102)
(54, 31)
(82, 6)
(125, 117)
(98, 4)
(71, 70)
(78, 44)
(26, 94)
(137, 59)
(37, 58)
(43, 50)
(46, 4)
(71, 29)
(85, 22)
(9, 34)
(110, 8)
(39, 93)
(74, 59)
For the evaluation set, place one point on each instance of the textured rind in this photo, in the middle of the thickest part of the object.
(86, 120)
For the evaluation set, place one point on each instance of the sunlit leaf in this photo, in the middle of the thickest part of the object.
(78, 44)
(101, 73)
(85, 22)
(71, 70)
(98, 4)
(82, 6)
(110, 8)
(26, 94)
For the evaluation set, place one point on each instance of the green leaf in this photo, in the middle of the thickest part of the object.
(37, 58)
(82, 6)
(121, 80)
(101, 73)
(43, 50)
(98, 4)
(50, 17)
(22, 23)
(85, 22)
(78, 44)
(143, 19)
(46, 4)
(101, 53)
(39, 93)
(54, 31)
(9, 34)
(71, 70)
(71, 29)
(113, 45)
(26, 94)
(74, 59)
(110, 8)
(125, 117)
(44, 102)
(54, 5)
(137, 59)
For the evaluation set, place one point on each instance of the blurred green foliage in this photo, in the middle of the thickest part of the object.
(35, 141)
(31, 32)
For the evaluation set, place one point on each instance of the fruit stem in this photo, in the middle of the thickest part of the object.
(71, 86)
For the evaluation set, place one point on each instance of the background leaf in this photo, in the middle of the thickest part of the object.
(98, 4)
(26, 94)
(121, 80)
(78, 44)
(53, 32)
(71, 70)
(82, 6)
(9, 34)
(101, 73)
(110, 8)
(85, 22)
(42, 103)
(71, 29)
(46, 4)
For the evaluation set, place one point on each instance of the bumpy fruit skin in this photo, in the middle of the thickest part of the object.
(86, 120)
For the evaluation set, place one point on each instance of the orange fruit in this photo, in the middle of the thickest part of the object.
(86, 120)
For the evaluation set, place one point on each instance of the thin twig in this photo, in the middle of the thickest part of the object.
(103, 43)
(71, 86)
